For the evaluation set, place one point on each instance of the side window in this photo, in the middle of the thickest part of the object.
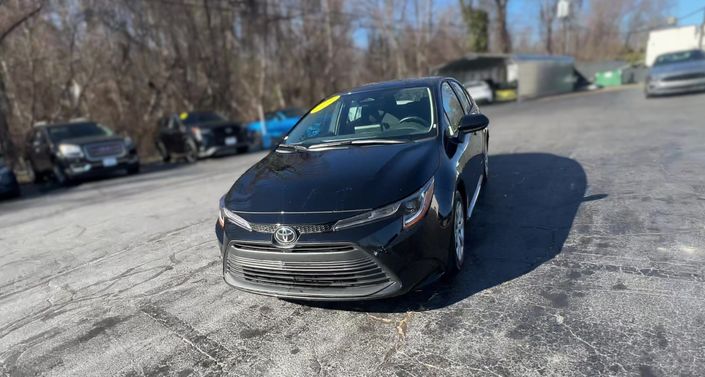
(452, 107)
(173, 123)
(354, 113)
(463, 97)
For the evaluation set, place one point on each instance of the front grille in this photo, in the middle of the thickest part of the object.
(103, 150)
(305, 268)
(688, 76)
(301, 228)
(221, 133)
(300, 248)
(354, 273)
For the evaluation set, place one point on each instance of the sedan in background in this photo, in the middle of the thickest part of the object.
(70, 151)
(367, 197)
(9, 188)
(676, 72)
(480, 91)
(276, 125)
(199, 134)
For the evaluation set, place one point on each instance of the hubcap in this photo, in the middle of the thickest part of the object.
(459, 230)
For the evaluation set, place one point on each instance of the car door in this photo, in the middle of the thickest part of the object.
(40, 151)
(457, 143)
(173, 136)
(475, 140)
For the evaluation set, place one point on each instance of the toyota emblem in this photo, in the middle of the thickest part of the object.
(285, 236)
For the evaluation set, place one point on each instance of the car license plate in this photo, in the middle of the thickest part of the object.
(108, 162)
(232, 140)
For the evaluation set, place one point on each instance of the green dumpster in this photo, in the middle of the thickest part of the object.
(609, 78)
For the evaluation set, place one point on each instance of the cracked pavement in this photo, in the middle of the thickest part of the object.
(588, 258)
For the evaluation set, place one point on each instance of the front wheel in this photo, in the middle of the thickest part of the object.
(486, 162)
(60, 176)
(191, 151)
(456, 252)
(163, 152)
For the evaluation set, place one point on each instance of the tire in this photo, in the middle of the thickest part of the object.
(60, 176)
(486, 161)
(191, 152)
(241, 150)
(456, 251)
(163, 152)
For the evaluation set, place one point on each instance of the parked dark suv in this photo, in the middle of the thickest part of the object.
(199, 134)
(69, 151)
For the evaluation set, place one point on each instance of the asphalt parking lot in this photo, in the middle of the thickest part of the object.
(588, 259)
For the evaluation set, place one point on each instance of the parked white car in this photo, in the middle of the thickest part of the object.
(480, 91)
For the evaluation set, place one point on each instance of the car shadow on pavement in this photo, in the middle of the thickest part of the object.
(520, 222)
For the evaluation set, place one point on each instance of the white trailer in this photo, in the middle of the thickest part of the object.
(674, 39)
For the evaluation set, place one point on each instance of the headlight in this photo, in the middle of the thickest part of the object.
(226, 214)
(413, 208)
(70, 150)
(199, 132)
(129, 143)
(4, 170)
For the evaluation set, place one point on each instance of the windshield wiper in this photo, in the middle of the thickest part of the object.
(295, 147)
(357, 142)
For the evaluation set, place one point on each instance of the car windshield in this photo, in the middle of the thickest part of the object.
(201, 117)
(389, 114)
(77, 130)
(679, 57)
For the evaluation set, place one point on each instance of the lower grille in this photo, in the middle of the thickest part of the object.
(689, 76)
(351, 268)
(301, 248)
(102, 150)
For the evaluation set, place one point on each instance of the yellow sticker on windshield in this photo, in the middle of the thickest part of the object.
(324, 104)
(183, 116)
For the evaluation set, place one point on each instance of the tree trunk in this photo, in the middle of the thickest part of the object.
(505, 42)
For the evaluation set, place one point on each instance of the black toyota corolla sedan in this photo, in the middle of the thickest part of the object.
(366, 197)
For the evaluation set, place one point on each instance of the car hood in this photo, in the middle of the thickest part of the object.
(678, 68)
(341, 179)
(91, 140)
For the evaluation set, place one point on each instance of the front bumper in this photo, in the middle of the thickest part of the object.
(657, 87)
(372, 261)
(221, 150)
(82, 167)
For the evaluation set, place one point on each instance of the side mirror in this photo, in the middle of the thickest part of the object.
(473, 123)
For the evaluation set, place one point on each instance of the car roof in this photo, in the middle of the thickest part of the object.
(69, 123)
(398, 84)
